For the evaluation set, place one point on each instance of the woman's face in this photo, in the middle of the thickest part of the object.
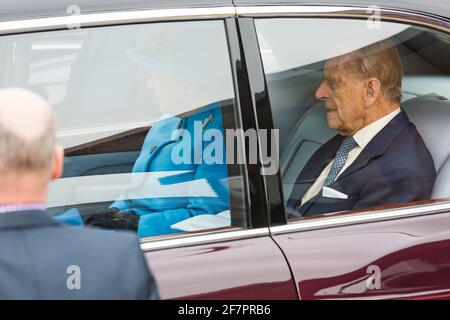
(173, 94)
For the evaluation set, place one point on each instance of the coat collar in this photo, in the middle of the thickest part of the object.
(379, 144)
(320, 159)
(376, 147)
(315, 165)
(26, 219)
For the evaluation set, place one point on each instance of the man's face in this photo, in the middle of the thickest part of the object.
(343, 96)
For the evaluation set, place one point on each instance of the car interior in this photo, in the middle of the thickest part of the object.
(301, 118)
(426, 89)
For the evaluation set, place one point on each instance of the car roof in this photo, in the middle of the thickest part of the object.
(436, 7)
(24, 9)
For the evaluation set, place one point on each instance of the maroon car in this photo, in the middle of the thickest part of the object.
(120, 73)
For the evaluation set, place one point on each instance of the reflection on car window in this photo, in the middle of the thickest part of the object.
(141, 110)
(363, 112)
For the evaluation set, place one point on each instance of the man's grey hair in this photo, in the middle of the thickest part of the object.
(32, 153)
(382, 61)
(18, 154)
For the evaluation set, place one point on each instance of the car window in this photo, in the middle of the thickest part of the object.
(142, 112)
(314, 80)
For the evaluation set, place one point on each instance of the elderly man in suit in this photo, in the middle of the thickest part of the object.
(378, 157)
(41, 258)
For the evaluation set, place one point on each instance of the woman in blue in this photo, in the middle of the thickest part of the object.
(161, 147)
(198, 184)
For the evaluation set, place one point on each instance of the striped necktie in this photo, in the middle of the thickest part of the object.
(341, 156)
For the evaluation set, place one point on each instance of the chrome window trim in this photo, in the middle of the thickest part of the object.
(113, 18)
(328, 221)
(184, 240)
(330, 11)
(204, 13)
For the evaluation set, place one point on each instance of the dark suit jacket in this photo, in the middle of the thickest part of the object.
(394, 167)
(36, 252)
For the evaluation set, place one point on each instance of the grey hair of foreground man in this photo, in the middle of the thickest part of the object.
(29, 155)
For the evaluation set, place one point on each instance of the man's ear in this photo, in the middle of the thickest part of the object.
(58, 162)
(373, 91)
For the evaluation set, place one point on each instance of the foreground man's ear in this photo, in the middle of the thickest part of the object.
(373, 90)
(58, 163)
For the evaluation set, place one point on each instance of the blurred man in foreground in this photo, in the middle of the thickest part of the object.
(39, 257)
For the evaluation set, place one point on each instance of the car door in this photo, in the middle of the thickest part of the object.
(396, 251)
(126, 87)
(228, 263)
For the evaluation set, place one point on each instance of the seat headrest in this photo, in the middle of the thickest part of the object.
(431, 115)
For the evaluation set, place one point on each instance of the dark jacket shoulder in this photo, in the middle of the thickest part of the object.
(47, 256)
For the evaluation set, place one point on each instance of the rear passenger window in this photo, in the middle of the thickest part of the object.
(362, 109)
(142, 111)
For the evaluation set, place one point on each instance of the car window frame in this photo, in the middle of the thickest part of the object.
(338, 219)
(257, 224)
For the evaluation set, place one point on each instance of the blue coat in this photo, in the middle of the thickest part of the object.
(395, 167)
(158, 214)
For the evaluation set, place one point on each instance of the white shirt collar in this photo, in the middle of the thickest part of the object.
(364, 135)
(4, 208)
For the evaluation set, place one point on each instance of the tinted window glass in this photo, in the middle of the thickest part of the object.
(315, 80)
(142, 111)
